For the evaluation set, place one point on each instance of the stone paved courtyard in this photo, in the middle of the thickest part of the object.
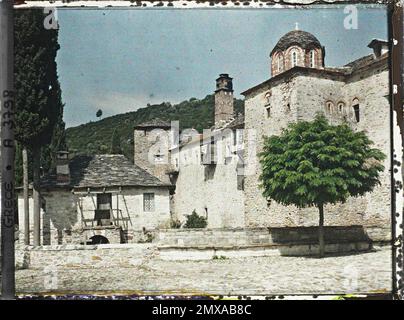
(360, 273)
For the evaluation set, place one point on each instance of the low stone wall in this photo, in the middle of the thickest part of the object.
(268, 236)
(202, 244)
(84, 256)
(131, 255)
(112, 233)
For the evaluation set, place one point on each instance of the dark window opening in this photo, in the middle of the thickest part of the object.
(268, 111)
(356, 111)
(103, 211)
(104, 201)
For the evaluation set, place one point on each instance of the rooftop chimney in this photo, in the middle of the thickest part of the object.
(224, 109)
(62, 167)
(379, 47)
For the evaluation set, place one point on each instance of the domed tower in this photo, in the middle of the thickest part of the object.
(297, 48)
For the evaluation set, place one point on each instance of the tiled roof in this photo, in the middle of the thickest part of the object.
(363, 61)
(104, 171)
(296, 37)
(342, 72)
(154, 123)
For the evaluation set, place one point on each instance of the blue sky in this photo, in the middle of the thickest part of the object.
(120, 60)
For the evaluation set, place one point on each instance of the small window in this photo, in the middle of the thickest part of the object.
(329, 107)
(341, 107)
(148, 202)
(268, 109)
(294, 58)
(312, 59)
(268, 98)
(356, 112)
(158, 158)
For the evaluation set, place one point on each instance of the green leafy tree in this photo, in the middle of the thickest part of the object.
(115, 143)
(38, 99)
(315, 163)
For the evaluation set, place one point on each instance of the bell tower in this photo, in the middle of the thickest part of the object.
(224, 108)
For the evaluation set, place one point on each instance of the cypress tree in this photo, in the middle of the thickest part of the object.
(38, 100)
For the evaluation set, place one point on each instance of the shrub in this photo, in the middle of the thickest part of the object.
(195, 221)
(175, 224)
(147, 236)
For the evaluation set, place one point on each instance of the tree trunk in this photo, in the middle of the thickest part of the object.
(321, 231)
(36, 197)
(26, 194)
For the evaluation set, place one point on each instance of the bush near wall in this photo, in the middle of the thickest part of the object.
(195, 221)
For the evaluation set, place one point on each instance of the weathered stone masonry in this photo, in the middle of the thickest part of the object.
(300, 93)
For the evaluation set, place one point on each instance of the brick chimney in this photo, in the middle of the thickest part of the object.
(379, 47)
(62, 167)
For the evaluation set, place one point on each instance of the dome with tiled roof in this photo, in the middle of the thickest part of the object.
(296, 48)
(299, 38)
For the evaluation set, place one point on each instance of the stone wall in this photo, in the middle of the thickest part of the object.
(299, 98)
(224, 110)
(268, 236)
(113, 234)
(201, 244)
(148, 144)
(211, 190)
(90, 256)
(57, 220)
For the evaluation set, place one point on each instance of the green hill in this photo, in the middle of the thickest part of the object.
(96, 137)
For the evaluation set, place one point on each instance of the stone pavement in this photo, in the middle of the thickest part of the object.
(360, 273)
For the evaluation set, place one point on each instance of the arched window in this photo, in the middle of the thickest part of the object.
(293, 58)
(329, 107)
(280, 63)
(356, 110)
(268, 109)
(341, 107)
(268, 98)
(312, 59)
(268, 103)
